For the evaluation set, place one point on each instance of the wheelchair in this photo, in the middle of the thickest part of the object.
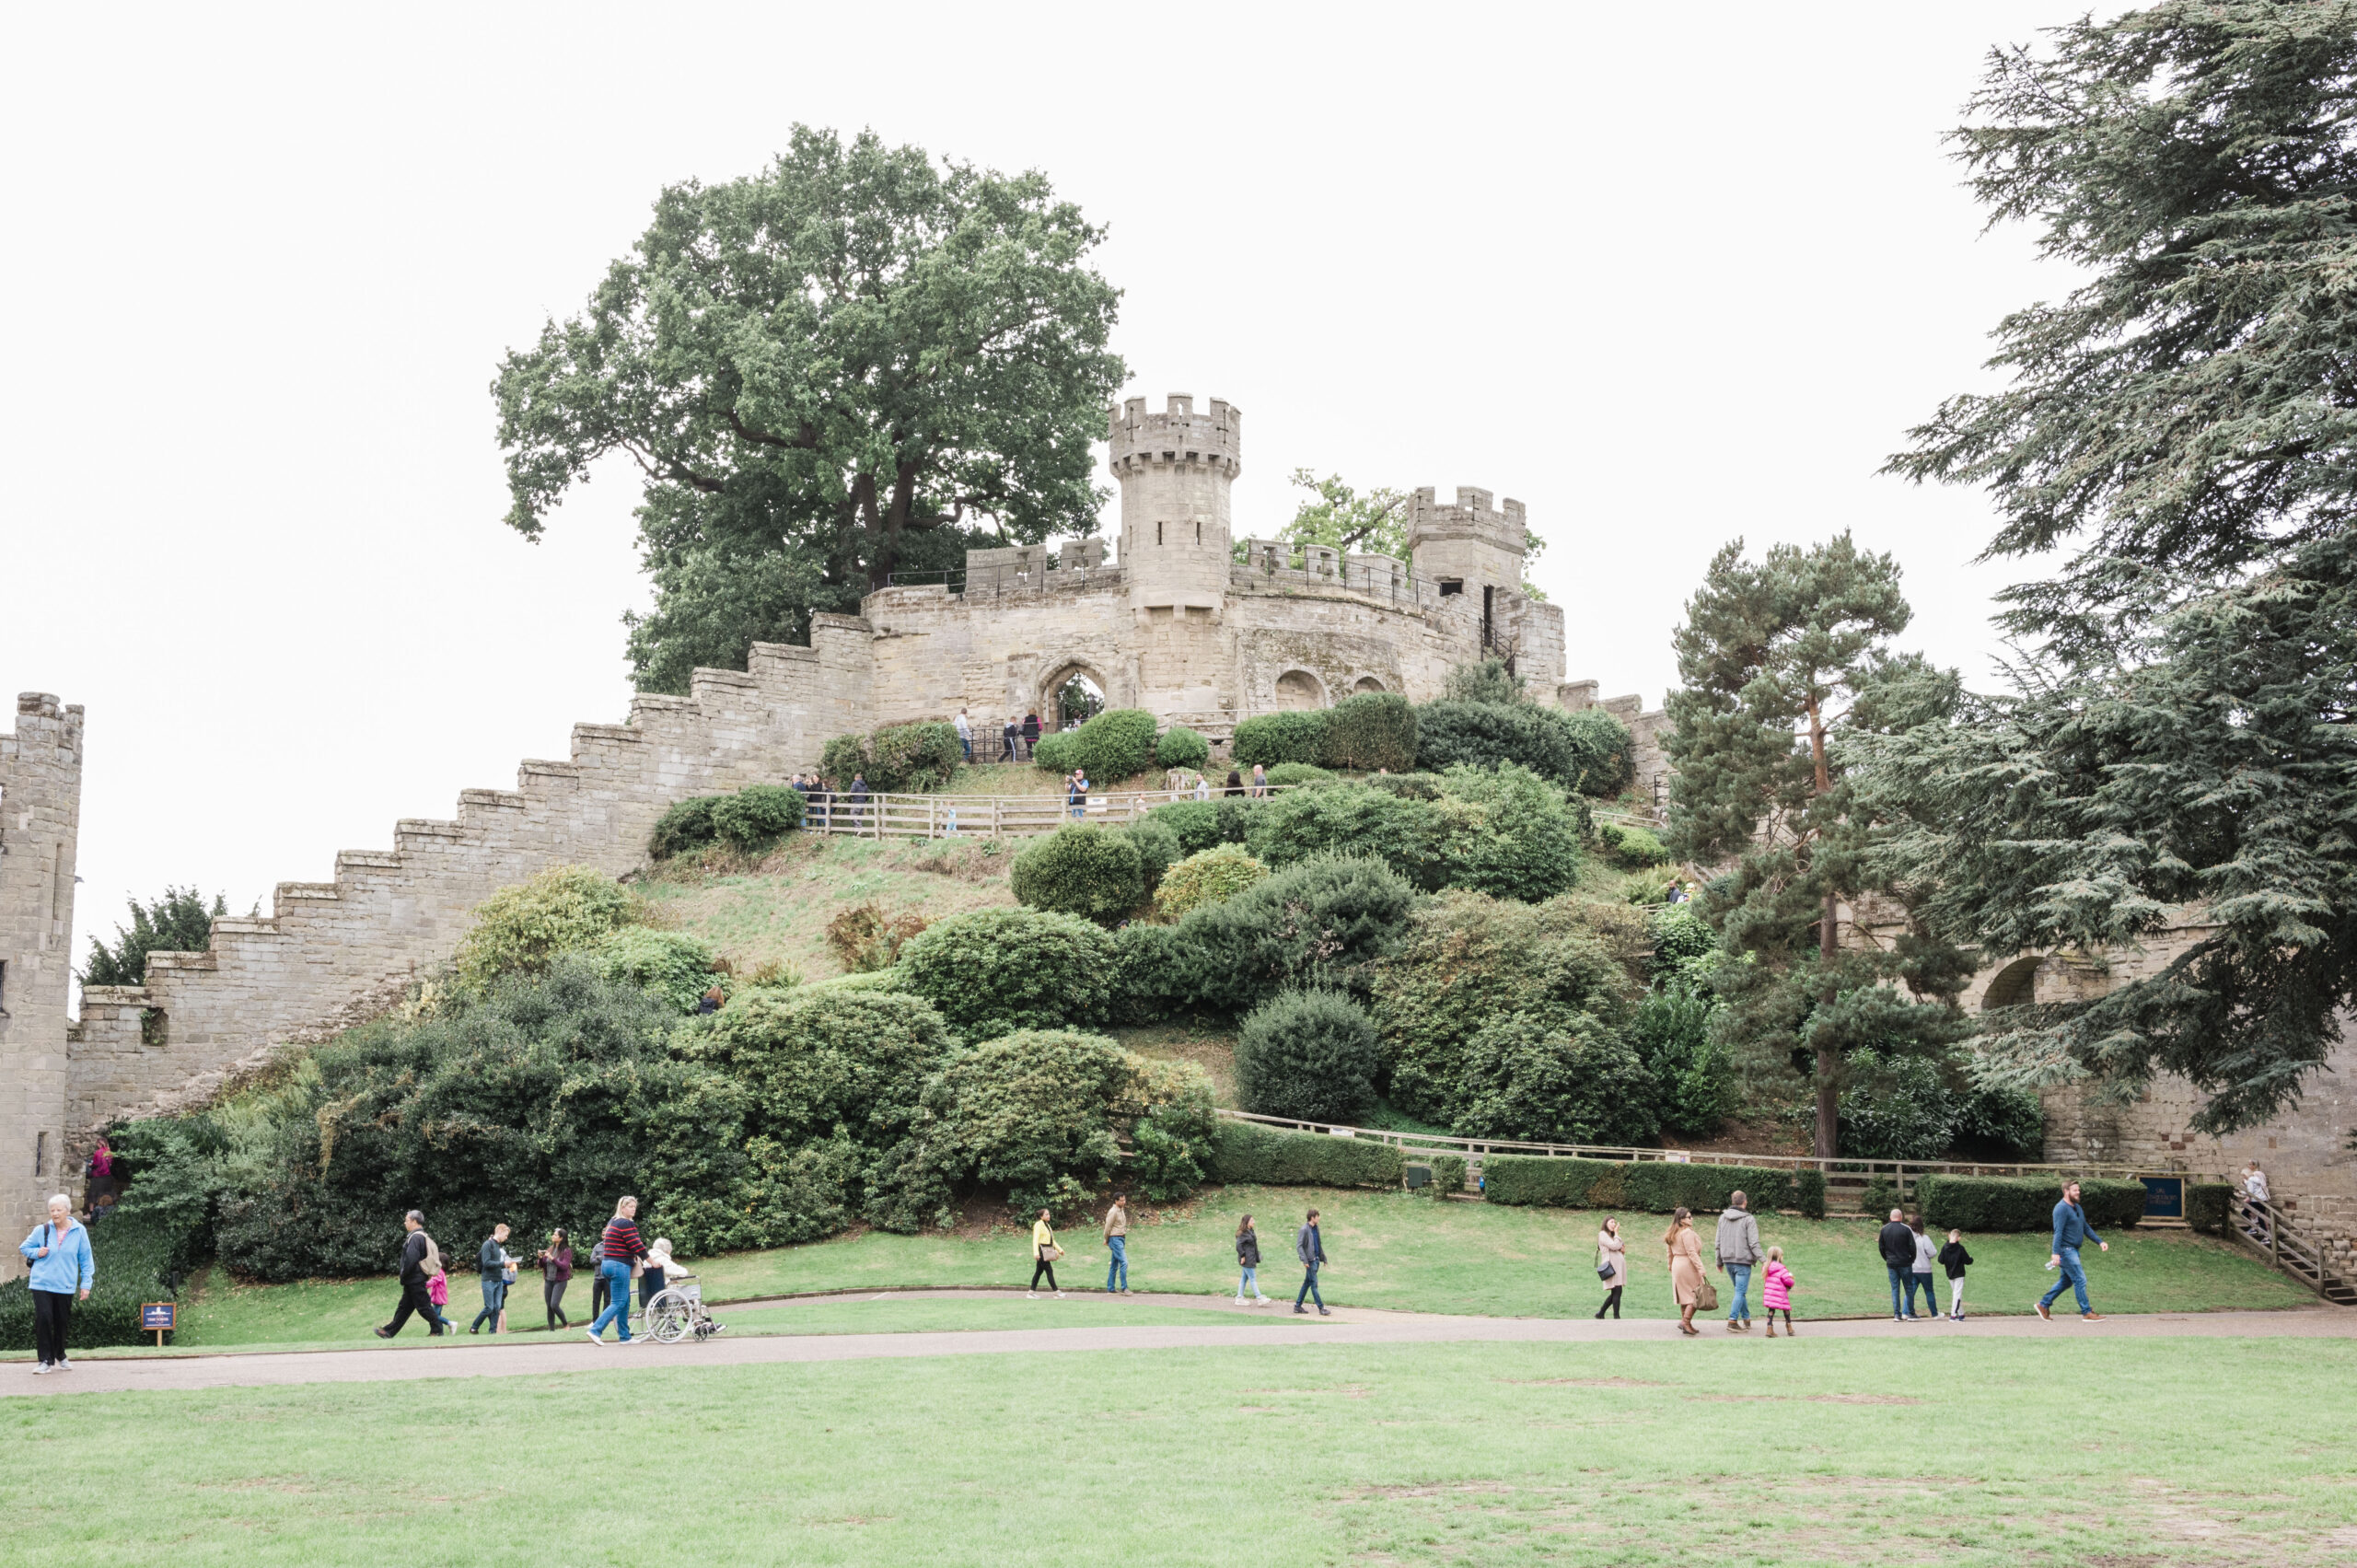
(677, 1313)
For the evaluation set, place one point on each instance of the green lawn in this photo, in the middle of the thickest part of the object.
(1964, 1454)
(1385, 1249)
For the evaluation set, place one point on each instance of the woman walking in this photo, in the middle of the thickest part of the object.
(1920, 1277)
(59, 1252)
(621, 1249)
(1247, 1259)
(1685, 1268)
(1612, 1266)
(1234, 782)
(1044, 1253)
(556, 1272)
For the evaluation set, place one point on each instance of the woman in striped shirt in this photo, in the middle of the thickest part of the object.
(619, 1248)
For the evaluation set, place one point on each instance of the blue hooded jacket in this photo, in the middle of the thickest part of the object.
(69, 1265)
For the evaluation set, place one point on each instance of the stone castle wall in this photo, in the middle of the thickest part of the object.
(41, 804)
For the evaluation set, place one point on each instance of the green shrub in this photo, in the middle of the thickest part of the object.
(1372, 730)
(1244, 1151)
(1681, 940)
(1990, 1203)
(1508, 833)
(1318, 924)
(1487, 679)
(1041, 1113)
(1414, 786)
(1298, 773)
(1606, 753)
(687, 825)
(133, 1255)
(1632, 846)
(2207, 1204)
(816, 1059)
(899, 758)
(1148, 978)
(1351, 819)
(668, 964)
(1565, 1080)
(1465, 959)
(1648, 1185)
(1589, 752)
(1111, 746)
(1081, 870)
(520, 930)
(997, 970)
(1923, 1108)
(1693, 1073)
(1206, 878)
(1194, 823)
(1448, 1171)
(1307, 1055)
(757, 816)
(1295, 736)
(1158, 849)
(1179, 747)
(1880, 1195)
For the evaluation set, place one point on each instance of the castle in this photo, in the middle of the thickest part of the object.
(1175, 623)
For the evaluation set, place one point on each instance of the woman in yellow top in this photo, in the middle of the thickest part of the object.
(1685, 1267)
(1044, 1253)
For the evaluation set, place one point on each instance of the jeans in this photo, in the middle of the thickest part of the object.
(1309, 1288)
(1250, 1284)
(495, 1296)
(616, 1276)
(2075, 1274)
(1120, 1265)
(1898, 1278)
(1931, 1294)
(1739, 1287)
(53, 1315)
(967, 742)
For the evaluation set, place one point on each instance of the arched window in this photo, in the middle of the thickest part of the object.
(1299, 688)
(1075, 700)
(1368, 683)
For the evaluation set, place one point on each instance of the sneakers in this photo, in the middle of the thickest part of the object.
(1060, 1295)
(64, 1363)
(2090, 1317)
(41, 1371)
(595, 1338)
(2045, 1311)
(1030, 1295)
(1301, 1311)
(1897, 1318)
(1239, 1301)
(1262, 1300)
(1323, 1313)
(382, 1332)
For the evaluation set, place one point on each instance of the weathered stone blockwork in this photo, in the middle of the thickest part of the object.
(40, 805)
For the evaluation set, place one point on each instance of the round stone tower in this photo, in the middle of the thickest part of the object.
(1175, 469)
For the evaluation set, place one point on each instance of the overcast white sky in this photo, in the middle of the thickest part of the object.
(1668, 274)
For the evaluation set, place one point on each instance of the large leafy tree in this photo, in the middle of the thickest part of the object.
(2184, 424)
(180, 921)
(835, 369)
(1784, 660)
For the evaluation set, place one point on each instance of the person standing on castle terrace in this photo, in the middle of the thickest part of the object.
(858, 798)
(2071, 1233)
(1009, 738)
(1259, 782)
(1030, 732)
(58, 1250)
(966, 733)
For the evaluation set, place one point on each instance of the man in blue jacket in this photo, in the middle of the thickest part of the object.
(2071, 1233)
(59, 1252)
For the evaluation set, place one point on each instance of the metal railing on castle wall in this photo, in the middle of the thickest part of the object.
(982, 816)
(1900, 1172)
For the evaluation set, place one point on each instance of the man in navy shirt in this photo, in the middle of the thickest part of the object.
(2071, 1233)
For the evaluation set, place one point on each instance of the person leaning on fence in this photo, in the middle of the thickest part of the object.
(858, 798)
(414, 1246)
(1738, 1249)
(1310, 1246)
(59, 1252)
(623, 1249)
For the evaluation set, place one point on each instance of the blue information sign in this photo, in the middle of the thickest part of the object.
(164, 1315)
(2163, 1197)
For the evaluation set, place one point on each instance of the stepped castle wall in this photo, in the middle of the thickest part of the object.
(1175, 623)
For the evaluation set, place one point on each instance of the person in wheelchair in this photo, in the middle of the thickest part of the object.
(674, 1300)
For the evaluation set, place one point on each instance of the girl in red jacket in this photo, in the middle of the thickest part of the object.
(1776, 1295)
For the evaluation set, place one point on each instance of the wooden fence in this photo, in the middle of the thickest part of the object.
(984, 816)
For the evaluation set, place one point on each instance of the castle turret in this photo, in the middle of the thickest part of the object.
(1175, 469)
(1468, 545)
(40, 809)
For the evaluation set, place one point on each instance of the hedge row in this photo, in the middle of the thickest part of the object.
(1647, 1186)
(1999, 1202)
(132, 1257)
(1242, 1151)
(1448, 1171)
(2207, 1204)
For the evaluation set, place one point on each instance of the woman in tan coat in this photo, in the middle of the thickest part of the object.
(1685, 1267)
(1611, 1253)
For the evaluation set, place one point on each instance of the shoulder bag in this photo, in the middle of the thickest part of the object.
(1707, 1298)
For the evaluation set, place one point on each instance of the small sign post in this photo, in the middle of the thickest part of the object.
(162, 1316)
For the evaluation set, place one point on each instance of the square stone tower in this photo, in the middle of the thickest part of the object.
(1471, 548)
(40, 810)
(1175, 468)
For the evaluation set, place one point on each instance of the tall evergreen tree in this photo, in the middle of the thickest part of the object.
(829, 371)
(2179, 738)
(1781, 660)
(180, 921)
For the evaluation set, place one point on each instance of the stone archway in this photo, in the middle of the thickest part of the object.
(1368, 683)
(1298, 689)
(2015, 985)
(1070, 673)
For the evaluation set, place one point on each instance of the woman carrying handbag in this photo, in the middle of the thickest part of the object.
(1687, 1281)
(1044, 1253)
(1611, 1266)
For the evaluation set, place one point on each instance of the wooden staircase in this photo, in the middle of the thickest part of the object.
(2297, 1252)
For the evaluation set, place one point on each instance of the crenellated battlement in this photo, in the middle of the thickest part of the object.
(1177, 436)
(1471, 514)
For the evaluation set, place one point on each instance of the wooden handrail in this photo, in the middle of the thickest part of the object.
(882, 816)
(2287, 1246)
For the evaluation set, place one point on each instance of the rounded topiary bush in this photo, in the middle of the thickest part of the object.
(757, 816)
(1307, 1054)
(997, 971)
(1300, 773)
(1179, 747)
(1058, 753)
(1084, 870)
(518, 930)
(686, 826)
(1290, 737)
(668, 964)
(1318, 923)
(1113, 745)
(1206, 877)
(1371, 730)
(1158, 848)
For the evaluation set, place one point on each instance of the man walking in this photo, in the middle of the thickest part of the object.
(1897, 1244)
(413, 1297)
(1312, 1253)
(1117, 1233)
(1738, 1251)
(2071, 1233)
(493, 1262)
(620, 1247)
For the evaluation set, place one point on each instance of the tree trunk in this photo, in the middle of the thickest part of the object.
(1828, 941)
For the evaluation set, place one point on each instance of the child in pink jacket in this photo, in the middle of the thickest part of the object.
(1777, 1294)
